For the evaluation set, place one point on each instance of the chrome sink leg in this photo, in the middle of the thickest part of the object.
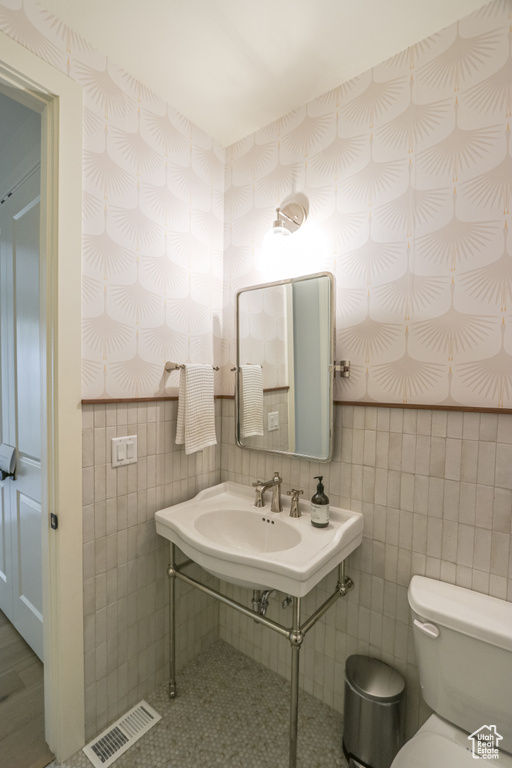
(296, 638)
(295, 635)
(171, 572)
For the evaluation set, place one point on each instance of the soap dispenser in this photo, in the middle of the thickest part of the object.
(320, 506)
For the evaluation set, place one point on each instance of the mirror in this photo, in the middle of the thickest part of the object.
(284, 379)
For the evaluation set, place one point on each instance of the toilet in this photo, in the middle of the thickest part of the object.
(463, 642)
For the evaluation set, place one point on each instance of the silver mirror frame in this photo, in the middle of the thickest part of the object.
(332, 344)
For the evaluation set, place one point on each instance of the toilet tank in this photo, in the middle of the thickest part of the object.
(463, 642)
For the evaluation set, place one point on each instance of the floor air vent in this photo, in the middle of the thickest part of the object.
(110, 744)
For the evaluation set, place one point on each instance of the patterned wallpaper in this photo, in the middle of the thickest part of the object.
(407, 171)
(264, 329)
(152, 219)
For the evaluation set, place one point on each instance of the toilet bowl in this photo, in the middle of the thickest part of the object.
(463, 643)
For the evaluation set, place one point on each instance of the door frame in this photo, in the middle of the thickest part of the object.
(35, 83)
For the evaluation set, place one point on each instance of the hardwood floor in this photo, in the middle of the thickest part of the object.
(22, 743)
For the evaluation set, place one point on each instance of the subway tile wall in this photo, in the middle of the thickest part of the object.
(435, 489)
(276, 440)
(125, 562)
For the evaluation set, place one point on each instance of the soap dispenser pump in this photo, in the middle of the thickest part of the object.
(320, 506)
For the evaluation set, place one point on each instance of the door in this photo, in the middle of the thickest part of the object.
(20, 497)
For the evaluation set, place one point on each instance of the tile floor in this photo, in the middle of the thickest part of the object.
(231, 712)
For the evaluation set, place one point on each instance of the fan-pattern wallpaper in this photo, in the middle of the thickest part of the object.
(408, 174)
(152, 219)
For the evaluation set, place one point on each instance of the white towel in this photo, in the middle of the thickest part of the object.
(251, 394)
(196, 412)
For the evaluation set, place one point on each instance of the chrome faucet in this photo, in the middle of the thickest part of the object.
(261, 486)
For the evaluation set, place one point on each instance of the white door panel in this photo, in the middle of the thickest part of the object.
(28, 600)
(21, 416)
(6, 598)
(28, 385)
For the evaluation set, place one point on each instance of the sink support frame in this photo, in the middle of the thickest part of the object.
(295, 634)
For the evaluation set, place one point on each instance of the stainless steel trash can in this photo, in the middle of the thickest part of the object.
(373, 729)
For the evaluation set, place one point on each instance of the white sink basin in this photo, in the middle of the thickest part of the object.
(222, 531)
(245, 532)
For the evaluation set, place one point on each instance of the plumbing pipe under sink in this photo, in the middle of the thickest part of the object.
(260, 601)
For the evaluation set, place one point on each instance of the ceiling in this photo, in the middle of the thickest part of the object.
(233, 66)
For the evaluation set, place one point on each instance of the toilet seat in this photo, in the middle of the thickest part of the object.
(429, 750)
(441, 745)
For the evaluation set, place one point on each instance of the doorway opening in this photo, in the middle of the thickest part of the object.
(22, 741)
(57, 101)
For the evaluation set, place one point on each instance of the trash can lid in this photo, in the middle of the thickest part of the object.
(374, 679)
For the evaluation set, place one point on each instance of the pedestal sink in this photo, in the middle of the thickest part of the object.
(222, 530)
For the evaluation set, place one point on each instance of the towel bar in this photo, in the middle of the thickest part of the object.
(175, 366)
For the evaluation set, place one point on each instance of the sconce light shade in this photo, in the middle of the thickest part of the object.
(289, 219)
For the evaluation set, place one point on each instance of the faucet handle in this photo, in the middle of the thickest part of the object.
(258, 501)
(277, 477)
(294, 506)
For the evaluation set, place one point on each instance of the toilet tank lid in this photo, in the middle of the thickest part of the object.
(463, 610)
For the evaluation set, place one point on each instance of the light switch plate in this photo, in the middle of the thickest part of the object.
(273, 421)
(124, 450)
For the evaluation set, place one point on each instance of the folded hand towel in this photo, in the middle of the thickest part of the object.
(196, 412)
(251, 394)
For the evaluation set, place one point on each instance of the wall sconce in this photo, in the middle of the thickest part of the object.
(289, 219)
